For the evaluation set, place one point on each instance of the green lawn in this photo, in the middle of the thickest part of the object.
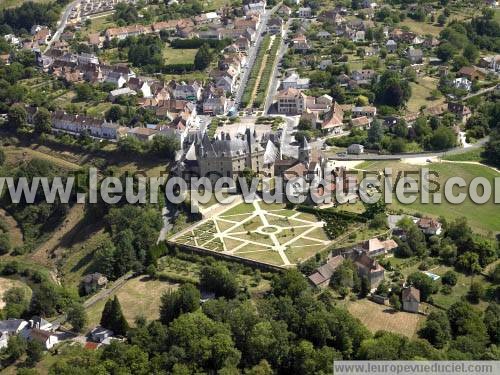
(483, 218)
(179, 56)
(421, 28)
(420, 93)
(4, 4)
(472, 155)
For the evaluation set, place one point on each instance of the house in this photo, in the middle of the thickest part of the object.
(141, 86)
(46, 338)
(305, 12)
(332, 17)
(243, 43)
(355, 149)
(362, 122)
(121, 33)
(358, 36)
(40, 323)
(323, 35)
(374, 247)
(333, 120)
(367, 111)
(369, 268)
(320, 278)
(391, 46)
(490, 62)
(12, 326)
(187, 91)
(257, 7)
(411, 299)
(275, 26)
(294, 81)
(96, 40)
(471, 73)
(116, 78)
(99, 334)
(460, 110)
(371, 51)
(429, 226)
(42, 36)
(284, 10)
(324, 64)
(290, 101)
(225, 83)
(299, 43)
(215, 105)
(94, 281)
(462, 84)
(363, 76)
(142, 134)
(415, 55)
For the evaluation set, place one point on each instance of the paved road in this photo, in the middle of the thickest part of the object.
(481, 92)
(252, 54)
(62, 23)
(453, 151)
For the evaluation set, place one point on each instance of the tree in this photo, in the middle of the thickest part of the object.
(112, 317)
(203, 57)
(84, 92)
(42, 121)
(471, 53)
(465, 320)
(2, 157)
(365, 287)
(492, 322)
(395, 302)
(476, 292)
(174, 303)
(437, 329)
(290, 283)
(392, 89)
(77, 316)
(219, 280)
(375, 133)
(469, 262)
(449, 278)
(17, 116)
(443, 138)
(5, 244)
(345, 276)
(34, 352)
(114, 113)
(445, 51)
(424, 283)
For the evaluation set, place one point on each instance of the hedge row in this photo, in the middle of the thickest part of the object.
(254, 73)
(197, 43)
(266, 74)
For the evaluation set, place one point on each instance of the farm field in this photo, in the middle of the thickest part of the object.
(265, 233)
(484, 220)
(379, 317)
(421, 28)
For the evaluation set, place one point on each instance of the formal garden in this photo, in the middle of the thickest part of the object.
(267, 233)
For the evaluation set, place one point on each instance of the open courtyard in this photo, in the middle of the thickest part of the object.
(267, 233)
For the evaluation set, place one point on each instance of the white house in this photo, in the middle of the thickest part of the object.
(99, 334)
(46, 338)
(411, 299)
(462, 83)
(355, 149)
(305, 12)
(295, 82)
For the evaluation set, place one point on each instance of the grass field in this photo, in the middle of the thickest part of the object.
(6, 284)
(179, 56)
(4, 4)
(421, 28)
(482, 218)
(472, 155)
(139, 296)
(379, 317)
(266, 233)
(420, 93)
(15, 233)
